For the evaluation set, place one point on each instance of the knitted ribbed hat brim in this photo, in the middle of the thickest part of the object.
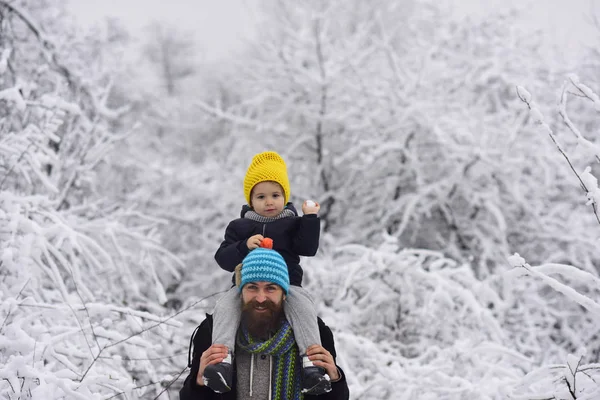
(265, 265)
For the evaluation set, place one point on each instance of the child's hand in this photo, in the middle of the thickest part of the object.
(254, 241)
(310, 207)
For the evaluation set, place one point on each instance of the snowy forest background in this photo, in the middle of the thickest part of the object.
(439, 149)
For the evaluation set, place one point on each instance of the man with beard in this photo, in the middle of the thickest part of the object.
(267, 365)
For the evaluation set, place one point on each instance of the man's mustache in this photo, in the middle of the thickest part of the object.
(254, 304)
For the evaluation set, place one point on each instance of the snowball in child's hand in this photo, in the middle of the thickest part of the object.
(310, 203)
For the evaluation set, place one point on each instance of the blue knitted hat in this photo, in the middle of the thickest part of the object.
(265, 265)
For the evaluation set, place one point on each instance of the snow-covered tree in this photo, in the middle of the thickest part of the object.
(411, 123)
(413, 133)
(172, 52)
(81, 291)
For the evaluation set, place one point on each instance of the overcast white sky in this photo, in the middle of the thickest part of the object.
(220, 24)
(566, 23)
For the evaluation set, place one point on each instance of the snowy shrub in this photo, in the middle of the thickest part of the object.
(81, 288)
(571, 380)
(413, 324)
(564, 330)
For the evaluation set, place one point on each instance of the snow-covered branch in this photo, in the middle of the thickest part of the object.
(576, 277)
(537, 116)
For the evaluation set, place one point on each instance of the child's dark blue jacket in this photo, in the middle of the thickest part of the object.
(292, 237)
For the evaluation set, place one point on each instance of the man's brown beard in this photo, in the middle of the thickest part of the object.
(261, 325)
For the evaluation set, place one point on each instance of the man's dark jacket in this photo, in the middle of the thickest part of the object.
(202, 341)
(292, 237)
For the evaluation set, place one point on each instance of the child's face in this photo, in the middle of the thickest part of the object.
(267, 199)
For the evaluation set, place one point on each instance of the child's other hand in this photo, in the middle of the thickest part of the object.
(254, 241)
(310, 207)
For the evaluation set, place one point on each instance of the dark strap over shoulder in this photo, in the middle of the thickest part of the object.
(191, 345)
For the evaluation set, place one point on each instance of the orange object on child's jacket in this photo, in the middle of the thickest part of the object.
(267, 243)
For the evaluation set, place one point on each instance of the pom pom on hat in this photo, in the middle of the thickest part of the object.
(265, 265)
(267, 166)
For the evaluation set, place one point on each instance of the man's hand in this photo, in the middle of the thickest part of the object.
(254, 241)
(322, 358)
(213, 355)
(310, 207)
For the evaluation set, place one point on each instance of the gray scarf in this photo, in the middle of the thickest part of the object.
(253, 215)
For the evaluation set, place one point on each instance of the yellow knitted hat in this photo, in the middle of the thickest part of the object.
(267, 166)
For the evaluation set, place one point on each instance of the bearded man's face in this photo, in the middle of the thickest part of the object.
(262, 308)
